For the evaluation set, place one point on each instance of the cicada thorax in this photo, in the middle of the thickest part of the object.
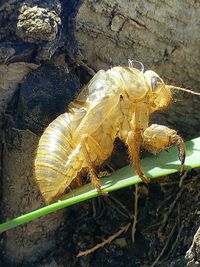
(132, 82)
(58, 158)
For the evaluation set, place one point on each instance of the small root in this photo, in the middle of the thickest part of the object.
(165, 246)
(176, 241)
(122, 207)
(110, 167)
(183, 176)
(166, 215)
(136, 196)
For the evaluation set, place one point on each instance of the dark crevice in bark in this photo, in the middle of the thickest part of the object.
(69, 12)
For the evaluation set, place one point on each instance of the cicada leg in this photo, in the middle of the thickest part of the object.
(79, 180)
(134, 141)
(91, 168)
(158, 137)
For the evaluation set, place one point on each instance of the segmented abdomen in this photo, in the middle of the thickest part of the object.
(58, 160)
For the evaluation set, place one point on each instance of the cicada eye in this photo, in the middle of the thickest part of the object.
(154, 82)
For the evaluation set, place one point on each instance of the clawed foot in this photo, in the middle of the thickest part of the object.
(102, 192)
(145, 179)
(96, 182)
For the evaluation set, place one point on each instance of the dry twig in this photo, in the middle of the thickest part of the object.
(107, 241)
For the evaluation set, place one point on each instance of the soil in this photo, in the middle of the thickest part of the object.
(168, 218)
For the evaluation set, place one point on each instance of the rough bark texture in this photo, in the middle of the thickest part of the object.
(164, 36)
(20, 195)
(193, 254)
(33, 91)
(48, 50)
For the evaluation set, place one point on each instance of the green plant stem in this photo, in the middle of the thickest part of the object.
(154, 166)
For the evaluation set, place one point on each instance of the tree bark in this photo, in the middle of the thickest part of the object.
(48, 50)
(193, 254)
(164, 36)
(35, 86)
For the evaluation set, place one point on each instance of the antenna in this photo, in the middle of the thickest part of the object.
(183, 89)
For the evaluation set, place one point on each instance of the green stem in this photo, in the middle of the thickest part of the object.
(43, 211)
(154, 166)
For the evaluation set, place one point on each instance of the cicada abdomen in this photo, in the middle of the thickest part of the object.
(58, 159)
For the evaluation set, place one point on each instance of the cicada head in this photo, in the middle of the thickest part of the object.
(160, 95)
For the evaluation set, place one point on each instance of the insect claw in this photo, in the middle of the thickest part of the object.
(177, 140)
(181, 153)
(145, 179)
(102, 192)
